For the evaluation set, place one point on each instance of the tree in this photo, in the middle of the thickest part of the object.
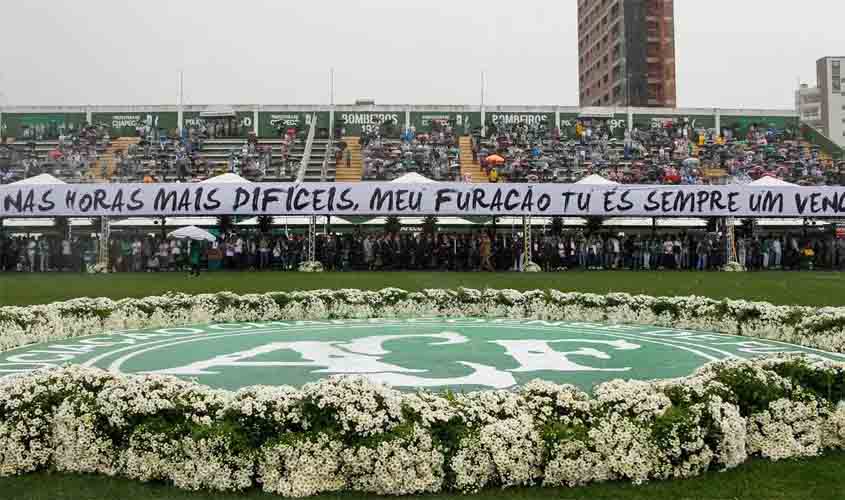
(392, 225)
(225, 223)
(265, 223)
(556, 228)
(594, 225)
(429, 225)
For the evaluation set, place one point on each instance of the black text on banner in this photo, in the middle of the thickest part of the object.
(455, 199)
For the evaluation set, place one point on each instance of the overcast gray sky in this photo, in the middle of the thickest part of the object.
(730, 53)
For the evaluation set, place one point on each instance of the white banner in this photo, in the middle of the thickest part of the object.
(123, 200)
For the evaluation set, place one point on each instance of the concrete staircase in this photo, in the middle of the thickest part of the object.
(718, 176)
(353, 173)
(467, 165)
(106, 167)
(823, 155)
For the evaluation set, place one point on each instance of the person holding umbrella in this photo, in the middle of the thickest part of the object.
(492, 162)
(195, 236)
(195, 250)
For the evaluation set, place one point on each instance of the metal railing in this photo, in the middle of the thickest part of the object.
(324, 170)
(306, 156)
(815, 136)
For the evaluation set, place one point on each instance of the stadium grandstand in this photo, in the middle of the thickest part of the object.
(441, 143)
(412, 145)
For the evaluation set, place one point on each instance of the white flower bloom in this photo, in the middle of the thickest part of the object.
(302, 468)
(405, 465)
(787, 429)
(507, 453)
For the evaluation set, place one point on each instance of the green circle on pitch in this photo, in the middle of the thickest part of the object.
(434, 354)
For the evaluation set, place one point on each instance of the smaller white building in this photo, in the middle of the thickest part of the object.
(808, 103)
(823, 106)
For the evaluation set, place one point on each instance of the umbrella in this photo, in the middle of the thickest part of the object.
(192, 233)
(495, 159)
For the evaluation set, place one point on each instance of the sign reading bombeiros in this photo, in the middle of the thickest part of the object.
(455, 199)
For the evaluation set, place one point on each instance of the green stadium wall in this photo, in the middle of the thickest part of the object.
(50, 125)
(355, 123)
(245, 121)
(268, 120)
(272, 123)
(125, 124)
(464, 122)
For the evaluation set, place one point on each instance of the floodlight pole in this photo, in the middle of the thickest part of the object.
(312, 238)
(483, 110)
(105, 233)
(332, 106)
(730, 231)
(181, 102)
(331, 86)
(526, 238)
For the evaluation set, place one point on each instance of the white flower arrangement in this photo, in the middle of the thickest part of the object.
(820, 328)
(733, 267)
(97, 268)
(312, 266)
(532, 267)
(302, 468)
(350, 434)
(319, 439)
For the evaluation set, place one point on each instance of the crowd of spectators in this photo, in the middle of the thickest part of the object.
(666, 153)
(476, 251)
(163, 157)
(158, 156)
(46, 253)
(434, 154)
(72, 157)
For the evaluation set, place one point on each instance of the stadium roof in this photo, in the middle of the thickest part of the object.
(596, 180)
(413, 178)
(771, 181)
(227, 179)
(43, 179)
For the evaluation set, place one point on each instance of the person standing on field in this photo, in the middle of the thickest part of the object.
(485, 251)
(195, 250)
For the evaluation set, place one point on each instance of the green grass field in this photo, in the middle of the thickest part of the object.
(817, 479)
(805, 288)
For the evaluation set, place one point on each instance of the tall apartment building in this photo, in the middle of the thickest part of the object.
(831, 82)
(626, 53)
